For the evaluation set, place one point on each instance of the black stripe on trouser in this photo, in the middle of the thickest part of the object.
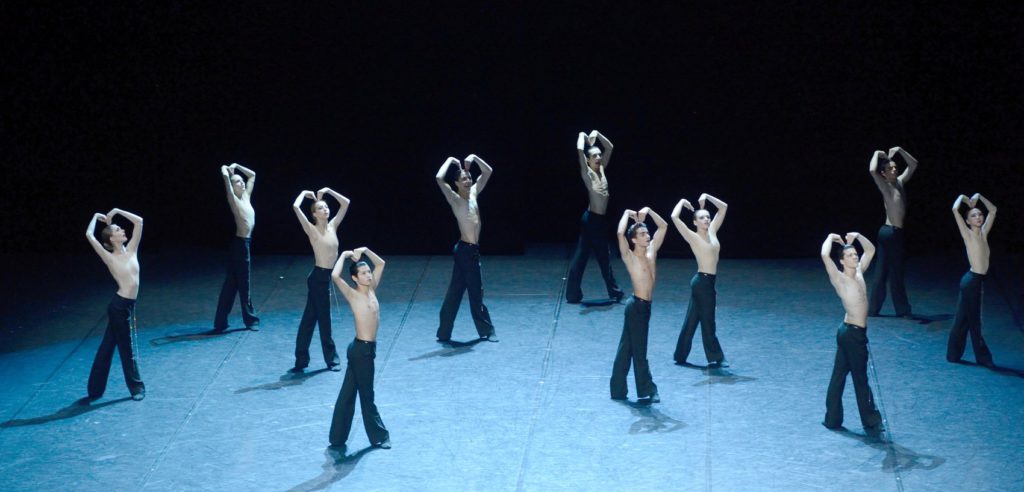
(317, 312)
(118, 334)
(968, 321)
(889, 269)
(593, 228)
(358, 380)
(633, 348)
(466, 277)
(852, 359)
(701, 310)
(236, 281)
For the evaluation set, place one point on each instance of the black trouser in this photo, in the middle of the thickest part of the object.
(968, 320)
(236, 280)
(465, 277)
(701, 310)
(593, 230)
(120, 312)
(889, 269)
(318, 311)
(851, 358)
(633, 348)
(358, 380)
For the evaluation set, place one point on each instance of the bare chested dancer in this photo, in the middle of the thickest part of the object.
(852, 338)
(640, 262)
(323, 236)
(236, 280)
(359, 375)
(705, 246)
(458, 188)
(968, 307)
(889, 269)
(123, 262)
(594, 223)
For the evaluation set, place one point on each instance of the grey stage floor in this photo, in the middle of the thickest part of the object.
(529, 413)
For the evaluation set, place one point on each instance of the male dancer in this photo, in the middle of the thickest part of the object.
(323, 236)
(705, 246)
(890, 235)
(852, 338)
(458, 189)
(968, 306)
(593, 224)
(640, 263)
(239, 195)
(361, 352)
(123, 263)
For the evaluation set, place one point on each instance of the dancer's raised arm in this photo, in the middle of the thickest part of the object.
(620, 232)
(133, 243)
(606, 145)
(90, 235)
(869, 249)
(447, 190)
(826, 257)
(990, 217)
(485, 171)
(343, 203)
(719, 217)
(297, 207)
(685, 231)
(911, 163)
(659, 235)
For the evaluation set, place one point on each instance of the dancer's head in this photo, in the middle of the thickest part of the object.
(887, 168)
(638, 234)
(594, 157)
(237, 185)
(112, 236)
(458, 178)
(320, 211)
(361, 273)
(701, 219)
(848, 257)
(975, 217)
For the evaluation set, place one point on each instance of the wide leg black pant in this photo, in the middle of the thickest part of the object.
(236, 281)
(633, 348)
(358, 380)
(317, 312)
(466, 277)
(889, 270)
(701, 310)
(852, 359)
(120, 312)
(593, 230)
(968, 320)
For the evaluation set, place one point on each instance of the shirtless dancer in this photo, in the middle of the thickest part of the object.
(123, 263)
(323, 236)
(459, 190)
(706, 247)
(361, 352)
(593, 224)
(968, 306)
(890, 235)
(852, 338)
(239, 194)
(640, 263)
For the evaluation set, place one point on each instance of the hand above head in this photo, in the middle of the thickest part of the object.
(320, 193)
(836, 238)
(642, 214)
(851, 237)
(703, 198)
(358, 253)
(974, 199)
(893, 151)
(592, 138)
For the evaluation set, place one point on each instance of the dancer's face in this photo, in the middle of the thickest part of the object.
(702, 219)
(889, 172)
(321, 211)
(975, 218)
(594, 159)
(850, 258)
(642, 237)
(465, 181)
(237, 185)
(364, 276)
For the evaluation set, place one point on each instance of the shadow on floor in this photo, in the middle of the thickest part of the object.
(723, 376)
(651, 420)
(1005, 371)
(288, 379)
(451, 348)
(337, 466)
(76, 408)
(897, 458)
(189, 337)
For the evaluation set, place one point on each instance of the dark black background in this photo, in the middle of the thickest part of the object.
(774, 107)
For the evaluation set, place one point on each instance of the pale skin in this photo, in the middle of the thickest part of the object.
(323, 232)
(363, 298)
(849, 283)
(704, 241)
(463, 198)
(640, 260)
(975, 230)
(891, 185)
(239, 194)
(592, 167)
(123, 261)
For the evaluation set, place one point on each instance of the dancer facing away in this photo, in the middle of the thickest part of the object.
(889, 267)
(239, 194)
(457, 186)
(852, 338)
(706, 247)
(593, 224)
(361, 352)
(323, 236)
(968, 306)
(640, 263)
(123, 262)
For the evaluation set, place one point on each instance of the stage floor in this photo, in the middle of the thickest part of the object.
(531, 412)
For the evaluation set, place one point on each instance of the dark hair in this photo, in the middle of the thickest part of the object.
(842, 251)
(451, 175)
(353, 269)
(592, 148)
(631, 232)
(105, 234)
(884, 161)
(967, 213)
(312, 208)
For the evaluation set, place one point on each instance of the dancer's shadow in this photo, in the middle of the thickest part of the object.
(76, 408)
(927, 319)
(288, 379)
(190, 337)
(336, 467)
(651, 420)
(1006, 371)
(721, 375)
(897, 458)
(451, 348)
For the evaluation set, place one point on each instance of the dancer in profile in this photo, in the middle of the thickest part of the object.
(889, 269)
(359, 374)
(323, 236)
(236, 280)
(705, 246)
(593, 224)
(458, 188)
(640, 262)
(968, 307)
(123, 262)
(852, 337)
